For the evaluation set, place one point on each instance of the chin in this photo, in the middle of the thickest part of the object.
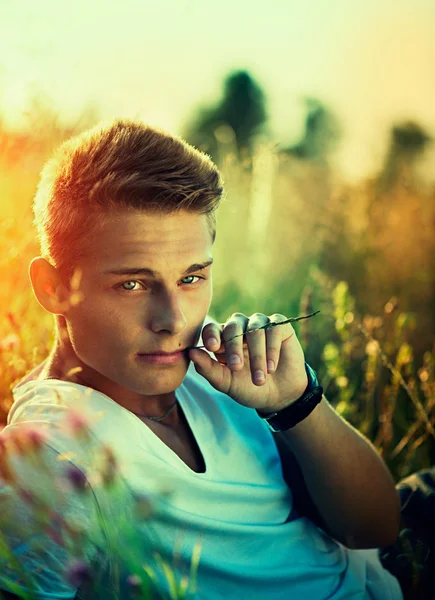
(155, 384)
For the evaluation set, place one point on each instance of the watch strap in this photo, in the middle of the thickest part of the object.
(298, 410)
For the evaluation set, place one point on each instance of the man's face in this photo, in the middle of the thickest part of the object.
(124, 315)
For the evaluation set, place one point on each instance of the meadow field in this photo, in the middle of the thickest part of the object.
(292, 238)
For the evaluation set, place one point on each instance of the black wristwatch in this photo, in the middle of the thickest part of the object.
(299, 409)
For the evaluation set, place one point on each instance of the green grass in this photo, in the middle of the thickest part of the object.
(288, 242)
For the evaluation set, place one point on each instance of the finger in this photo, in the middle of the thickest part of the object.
(274, 342)
(216, 374)
(256, 341)
(235, 326)
(211, 336)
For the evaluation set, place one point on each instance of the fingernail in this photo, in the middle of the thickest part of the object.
(212, 341)
(270, 365)
(258, 375)
(234, 360)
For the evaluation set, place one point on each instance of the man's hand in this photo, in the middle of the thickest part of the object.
(240, 360)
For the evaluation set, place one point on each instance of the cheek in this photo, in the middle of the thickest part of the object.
(95, 328)
(206, 295)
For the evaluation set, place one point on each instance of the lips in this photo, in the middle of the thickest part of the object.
(162, 353)
(162, 359)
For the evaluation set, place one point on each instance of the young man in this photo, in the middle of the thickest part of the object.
(126, 221)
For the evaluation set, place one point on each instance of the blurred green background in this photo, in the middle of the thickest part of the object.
(321, 117)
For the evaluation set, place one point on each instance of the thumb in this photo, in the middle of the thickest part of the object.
(210, 369)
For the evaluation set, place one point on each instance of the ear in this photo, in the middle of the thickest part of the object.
(48, 287)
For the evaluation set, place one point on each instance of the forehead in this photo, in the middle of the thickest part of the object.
(142, 239)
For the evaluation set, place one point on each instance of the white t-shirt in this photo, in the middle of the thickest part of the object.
(238, 514)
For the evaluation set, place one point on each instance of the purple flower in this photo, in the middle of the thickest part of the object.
(134, 582)
(77, 423)
(36, 438)
(77, 478)
(78, 572)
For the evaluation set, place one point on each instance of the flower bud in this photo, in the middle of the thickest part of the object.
(76, 478)
(78, 573)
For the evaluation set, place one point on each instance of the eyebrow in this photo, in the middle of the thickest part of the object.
(151, 273)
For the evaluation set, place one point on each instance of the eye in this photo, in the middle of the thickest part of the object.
(127, 283)
(193, 277)
(129, 286)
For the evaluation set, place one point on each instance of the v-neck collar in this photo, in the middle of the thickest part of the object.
(185, 401)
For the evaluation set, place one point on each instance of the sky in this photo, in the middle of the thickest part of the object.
(371, 61)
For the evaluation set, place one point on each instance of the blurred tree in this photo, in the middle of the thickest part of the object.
(344, 252)
(322, 133)
(234, 122)
(303, 189)
(401, 236)
(408, 142)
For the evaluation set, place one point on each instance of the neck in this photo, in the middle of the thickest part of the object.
(63, 364)
(160, 418)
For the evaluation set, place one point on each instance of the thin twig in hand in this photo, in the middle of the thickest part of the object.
(267, 326)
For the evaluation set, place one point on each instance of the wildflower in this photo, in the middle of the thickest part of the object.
(372, 348)
(5, 471)
(9, 343)
(35, 438)
(11, 318)
(108, 471)
(78, 572)
(391, 305)
(134, 582)
(18, 442)
(78, 424)
(143, 506)
(342, 381)
(27, 440)
(77, 478)
(423, 375)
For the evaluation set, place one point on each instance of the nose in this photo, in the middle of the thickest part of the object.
(167, 314)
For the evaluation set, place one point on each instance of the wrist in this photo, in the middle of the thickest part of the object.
(299, 409)
(286, 402)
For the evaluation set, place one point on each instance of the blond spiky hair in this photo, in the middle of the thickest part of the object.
(121, 164)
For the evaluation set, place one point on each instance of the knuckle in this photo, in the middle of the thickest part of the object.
(255, 323)
(277, 317)
(237, 315)
(231, 323)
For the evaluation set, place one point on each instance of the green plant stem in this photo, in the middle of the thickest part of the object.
(418, 405)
